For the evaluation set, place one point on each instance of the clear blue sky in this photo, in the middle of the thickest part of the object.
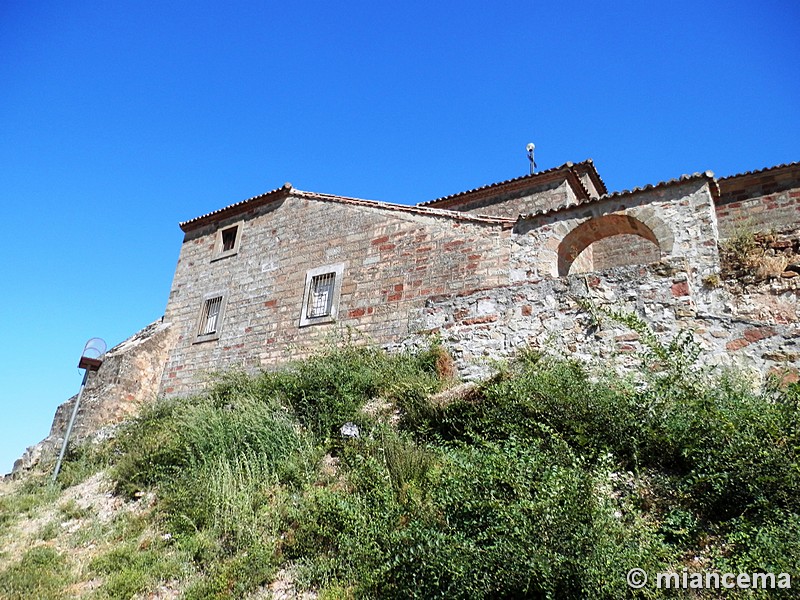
(120, 119)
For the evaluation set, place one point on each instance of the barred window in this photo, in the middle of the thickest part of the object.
(209, 319)
(321, 294)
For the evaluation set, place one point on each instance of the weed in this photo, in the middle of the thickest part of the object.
(72, 510)
(131, 568)
(41, 573)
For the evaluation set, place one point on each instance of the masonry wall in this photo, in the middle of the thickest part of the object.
(619, 250)
(679, 217)
(543, 196)
(484, 326)
(129, 378)
(764, 201)
(393, 261)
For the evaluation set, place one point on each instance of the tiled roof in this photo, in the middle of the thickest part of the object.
(232, 208)
(287, 190)
(759, 171)
(566, 167)
(708, 175)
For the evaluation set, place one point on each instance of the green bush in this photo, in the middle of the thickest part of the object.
(328, 390)
(175, 436)
(512, 520)
(82, 461)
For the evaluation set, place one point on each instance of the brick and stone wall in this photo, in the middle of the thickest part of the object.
(678, 217)
(481, 327)
(393, 261)
(617, 251)
(767, 200)
(489, 284)
(542, 196)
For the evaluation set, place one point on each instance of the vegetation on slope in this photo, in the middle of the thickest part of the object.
(547, 481)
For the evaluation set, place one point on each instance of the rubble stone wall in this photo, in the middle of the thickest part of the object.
(760, 331)
(128, 378)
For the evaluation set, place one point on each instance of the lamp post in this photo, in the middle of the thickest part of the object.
(530, 148)
(91, 359)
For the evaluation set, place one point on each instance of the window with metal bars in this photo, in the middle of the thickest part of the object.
(209, 320)
(321, 294)
(320, 298)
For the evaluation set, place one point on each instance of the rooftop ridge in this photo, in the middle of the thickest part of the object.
(567, 166)
(708, 175)
(285, 188)
(288, 190)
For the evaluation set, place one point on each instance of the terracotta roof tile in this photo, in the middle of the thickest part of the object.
(759, 171)
(231, 208)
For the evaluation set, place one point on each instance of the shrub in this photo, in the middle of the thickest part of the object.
(329, 390)
(512, 520)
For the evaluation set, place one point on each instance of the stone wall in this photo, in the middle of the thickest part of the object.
(128, 378)
(767, 200)
(678, 216)
(489, 284)
(550, 314)
(617, 251)
(393, 260)
(543, 196)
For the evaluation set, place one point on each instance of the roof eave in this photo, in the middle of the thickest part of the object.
(238, 207)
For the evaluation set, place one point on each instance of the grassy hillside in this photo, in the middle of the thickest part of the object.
(548, 481)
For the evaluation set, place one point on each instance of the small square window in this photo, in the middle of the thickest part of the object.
(321, 295)
(227, 242)
(210, 321)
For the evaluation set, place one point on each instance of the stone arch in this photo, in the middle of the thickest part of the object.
(648, 226)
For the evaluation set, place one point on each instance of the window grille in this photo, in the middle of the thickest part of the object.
(229, 239)
(320, 298)
(208, 321)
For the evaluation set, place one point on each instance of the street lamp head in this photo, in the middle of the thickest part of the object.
(92, 356)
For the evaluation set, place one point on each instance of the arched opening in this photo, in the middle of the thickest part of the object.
(605, 242)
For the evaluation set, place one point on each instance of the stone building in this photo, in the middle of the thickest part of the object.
(276, 276)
